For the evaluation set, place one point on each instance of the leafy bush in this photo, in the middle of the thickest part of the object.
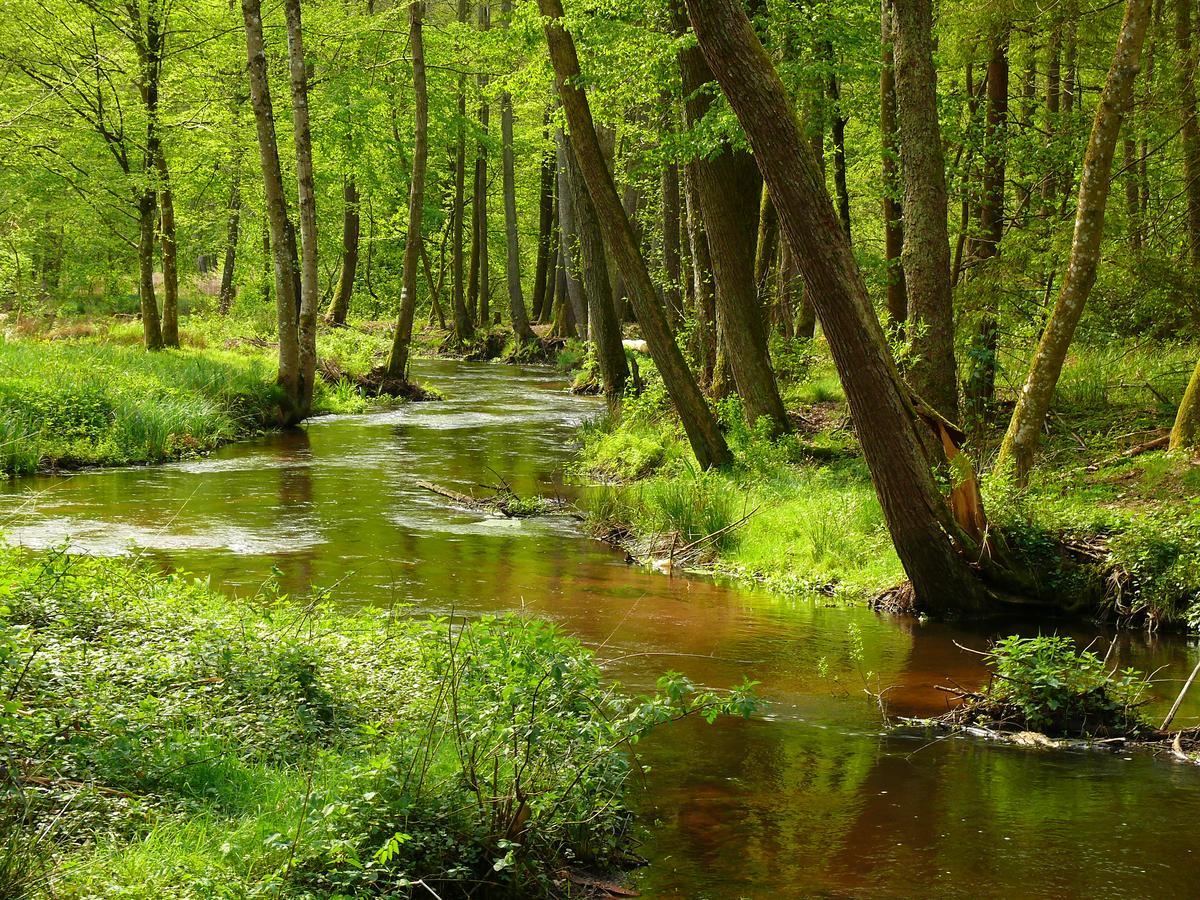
(1045, 684)
(183, 744)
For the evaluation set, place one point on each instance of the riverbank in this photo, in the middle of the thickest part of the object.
(799, 514)
(160, 739)
(79, 394)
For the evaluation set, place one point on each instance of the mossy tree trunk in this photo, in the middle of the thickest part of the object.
(1033, 403)
(933, 373)
(339, 306)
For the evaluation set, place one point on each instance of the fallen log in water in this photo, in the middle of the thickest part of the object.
(504, 502)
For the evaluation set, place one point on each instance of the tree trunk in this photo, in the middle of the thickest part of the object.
(1187, 419)
(766, 249)
(698, 421)
(516, 298)
(151, 325)
(605, 328)
(1033, 403)
(277, 214)
(306, 192)
(150, 70)
(563, 322)
(543, 273)
(568, 242)
(398, 360)
(483, 316)
(981, 383)
(933, 373)
(1189, 128)
(233, 229)
(893, 190)
(170, 257)
(339, 306)
(838, 129)
(671, 241)
(730, 187)
(924, 533)
(463, 330)
(705, 303)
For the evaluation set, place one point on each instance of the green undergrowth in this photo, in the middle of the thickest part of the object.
(158, 739)
(93, 397)
(1107, 534)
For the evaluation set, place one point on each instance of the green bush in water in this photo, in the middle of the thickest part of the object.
(1045, 684)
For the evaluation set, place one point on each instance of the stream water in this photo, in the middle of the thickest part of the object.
(811, 799)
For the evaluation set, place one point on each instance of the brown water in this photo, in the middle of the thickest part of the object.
(809, 800)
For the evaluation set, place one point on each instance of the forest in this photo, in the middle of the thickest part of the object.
(669, 448)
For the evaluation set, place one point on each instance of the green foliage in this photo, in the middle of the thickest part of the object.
(1045, 684)
(179, 743)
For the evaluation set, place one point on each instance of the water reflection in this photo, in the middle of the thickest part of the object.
(812, 801)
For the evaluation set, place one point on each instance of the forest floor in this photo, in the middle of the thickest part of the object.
(799, 514)
(158, 739)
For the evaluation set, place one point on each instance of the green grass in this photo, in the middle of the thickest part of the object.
(817, 524)
(99, 399)
(160, 740)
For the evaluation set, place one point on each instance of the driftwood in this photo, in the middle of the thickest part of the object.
(504, 501)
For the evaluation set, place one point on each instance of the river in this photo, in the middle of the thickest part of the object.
(809, 799)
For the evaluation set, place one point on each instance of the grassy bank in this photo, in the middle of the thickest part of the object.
(84, 395)
(799, 513)
(160, 740)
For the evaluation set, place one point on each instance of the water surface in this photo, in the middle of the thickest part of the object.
(809, 800)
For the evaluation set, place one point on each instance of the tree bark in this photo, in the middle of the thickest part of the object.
(705, 303)
(306, 193)
(838, 130)
(1033, 403)
(339, 306)
(981, 383)
(150, 47)
(673, 295)
(605, 328)
(568, 242)
(483, 316)
(1187, 419)
(170, 257)
(398, 360)
(516, 298)
(698, 421)
(924, 533)
(463, 330)
(543, 273)
(933, 373)
(893, 189)
(232, 231)
(277, 215)
(730, 187)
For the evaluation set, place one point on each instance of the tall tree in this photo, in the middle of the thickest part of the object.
(927, 539)
(463, 329)
(397, 366)
(170, 259)
(1033, 402)
(516, 297)
(893, 211)
(932, 372)
(698, 421)
(1189, 127)
(730, 186)
(339, 305)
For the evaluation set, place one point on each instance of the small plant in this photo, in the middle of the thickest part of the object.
(1045, 684)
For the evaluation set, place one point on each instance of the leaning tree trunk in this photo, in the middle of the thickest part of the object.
(893, 212)
(698, 421)
(922, 528)
(306, 192)
(170, 256)
(516, 298)
(593, 265)
(276, 203)
(730, 186)
(397, 366)
(926, 243)
(1033, 403)
(339, 306)
(1187, 419)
